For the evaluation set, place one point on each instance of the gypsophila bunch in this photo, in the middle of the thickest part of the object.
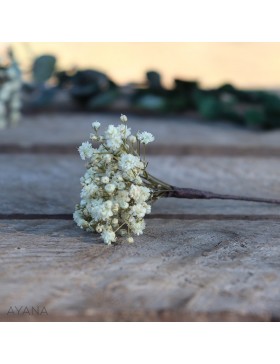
(10, 88)
(117, 191)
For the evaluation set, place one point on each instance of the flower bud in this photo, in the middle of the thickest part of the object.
(95, 125)
(115, 208)
(99, 228)
(123, 118)
(132, 139)
(123, 232)
(105, 179)
(93, 136)
(110, 188)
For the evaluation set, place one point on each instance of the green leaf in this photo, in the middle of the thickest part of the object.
(151, 102)
(210, 107)
(104, 99)
(154, 80)
(43, 68)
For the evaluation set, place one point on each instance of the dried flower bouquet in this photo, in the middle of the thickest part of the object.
(117, 191)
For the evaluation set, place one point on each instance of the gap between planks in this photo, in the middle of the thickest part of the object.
(174, 150)
(150, 217)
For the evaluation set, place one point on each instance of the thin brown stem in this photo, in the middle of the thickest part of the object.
(190, 193)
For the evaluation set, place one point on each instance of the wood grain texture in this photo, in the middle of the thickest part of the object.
(71, 129)
(49, 184)
(180, 270)
(199, 260)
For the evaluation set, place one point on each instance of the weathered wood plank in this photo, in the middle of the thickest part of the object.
(72, 129)
(179, 270)
(49, 184)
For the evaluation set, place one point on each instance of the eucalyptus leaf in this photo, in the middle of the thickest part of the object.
(154, 80)
(43, 68)
(152, 103)
(103, 100)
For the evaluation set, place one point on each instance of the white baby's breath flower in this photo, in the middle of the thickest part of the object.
(86, 150)
(101, 211)
(108, 236)
(80, 221)
(10, 93)
(130, 240)
(116, 189)
(89, 190)
(110, 187)
(107, 158)
(99, 228)
(93, 136)
(132, 139)
(123, 118)
(145, 137)
(124, 205)
(105, 179)
(129, 161)
(95, 125)
(138, 180)
(139, 193)
(115, 208)
(121, 186)
(138, 210)
(138, 227)
(113, 138)
(124, 131)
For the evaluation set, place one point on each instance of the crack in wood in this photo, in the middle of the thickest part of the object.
(175, 150)
(149, 217)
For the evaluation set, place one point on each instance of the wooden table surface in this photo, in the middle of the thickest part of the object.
(197, 261)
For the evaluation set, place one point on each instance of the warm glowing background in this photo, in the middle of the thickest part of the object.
(248, 65)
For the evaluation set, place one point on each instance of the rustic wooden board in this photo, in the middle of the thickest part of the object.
(173, 132)
(179, 270)
(49, 184)
(198, 260)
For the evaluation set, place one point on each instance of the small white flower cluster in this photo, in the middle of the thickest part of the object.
(10, 87)
(116, 189)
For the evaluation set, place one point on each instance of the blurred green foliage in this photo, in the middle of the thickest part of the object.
(92, 90)
(43, 68)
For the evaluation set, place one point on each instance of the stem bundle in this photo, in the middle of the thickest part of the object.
(190, 193)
